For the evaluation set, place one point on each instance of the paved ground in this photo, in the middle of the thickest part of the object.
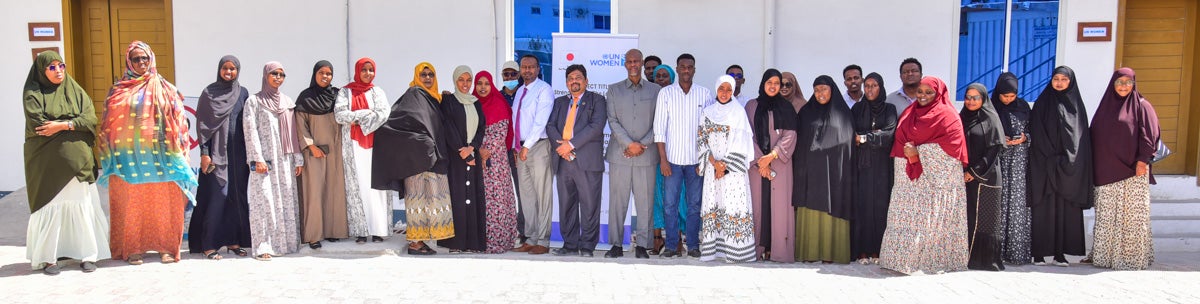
(345, 272)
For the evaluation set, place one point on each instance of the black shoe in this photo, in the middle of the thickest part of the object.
(669, 253)
(615, 252)
(377, 239)
(640, 252)
(331, 240)
(361, 240)
(695, 253)
(564, 251)
(88, 266)
(587, 253)
(52, 270)
(315, 245)
(60, 259)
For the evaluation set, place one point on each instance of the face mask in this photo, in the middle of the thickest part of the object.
(511, 84)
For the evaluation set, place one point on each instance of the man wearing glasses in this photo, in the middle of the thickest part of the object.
(510, 75)
(910, 77)
(738, 75)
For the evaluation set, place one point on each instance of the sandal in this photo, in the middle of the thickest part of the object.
(263, 257)
(361, 240)
(212, 255)
(134, 259)
(315, 245)
(238, 251)
(168, 259)
(376, 239)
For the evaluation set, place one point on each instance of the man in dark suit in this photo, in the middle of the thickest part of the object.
(576, 130)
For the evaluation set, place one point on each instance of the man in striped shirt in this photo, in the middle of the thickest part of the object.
(676, 122)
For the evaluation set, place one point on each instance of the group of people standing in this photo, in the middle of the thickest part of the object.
(869, 176)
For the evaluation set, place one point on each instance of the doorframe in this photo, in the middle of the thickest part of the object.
(70, 13)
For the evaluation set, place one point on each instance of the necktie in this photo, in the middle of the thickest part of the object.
(517, 126)
(569, 127)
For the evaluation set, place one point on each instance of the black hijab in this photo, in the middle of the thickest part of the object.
(1016, 110)
(410, 142)
(777, 106)
(213, 110)
(982, 128)
(822, 168)
(873, 114)
(315, 99)
(1060, 159)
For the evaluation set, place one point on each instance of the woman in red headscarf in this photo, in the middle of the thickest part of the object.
(361, 109)
(927, 217)
(497, 178)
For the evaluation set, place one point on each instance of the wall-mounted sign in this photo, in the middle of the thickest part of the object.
(39, 50)
(1094, 31)
(45, 31)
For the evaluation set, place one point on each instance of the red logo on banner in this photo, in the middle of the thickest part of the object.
(570, 56)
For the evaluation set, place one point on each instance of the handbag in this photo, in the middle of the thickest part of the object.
(1160, 153)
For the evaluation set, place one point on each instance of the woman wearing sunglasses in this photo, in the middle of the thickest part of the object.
(66, 220)
(143, 147)
(273, 152)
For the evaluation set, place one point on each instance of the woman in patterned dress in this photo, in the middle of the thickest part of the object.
(726, 145)
(361, 108)
(1125, 135)
(927, 220)
(1014, 165)
(985, 139)
(273, 151)
(497, 177)
(143, 150)
(412, 157)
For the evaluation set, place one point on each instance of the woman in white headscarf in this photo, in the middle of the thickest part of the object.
(726, 147)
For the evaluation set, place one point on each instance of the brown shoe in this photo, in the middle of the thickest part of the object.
(525, 247)
(539, 249)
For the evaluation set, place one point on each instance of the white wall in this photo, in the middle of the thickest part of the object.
(813, 38)
(718, 33)
(1092, 61)
(823, 37)
(18, 57)
(297, 35)
(400, 34)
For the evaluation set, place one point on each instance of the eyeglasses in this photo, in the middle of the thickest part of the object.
(278, 74)
(736, 75)
(427, 75)
(974, 98)
(787, 84)
(140, 59)
(1122, 83)
(509, 74)
(56, 68)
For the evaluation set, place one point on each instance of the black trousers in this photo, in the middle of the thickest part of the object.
(579, 205)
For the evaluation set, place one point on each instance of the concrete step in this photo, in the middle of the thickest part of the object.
(1175, 208)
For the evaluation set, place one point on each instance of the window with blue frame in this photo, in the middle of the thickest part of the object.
(531, 32)
(1032, 43)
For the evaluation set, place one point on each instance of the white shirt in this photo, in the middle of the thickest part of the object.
(851, 101)
(677, 119)
(531, 109)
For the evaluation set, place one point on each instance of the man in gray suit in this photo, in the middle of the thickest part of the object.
(576, 131)
(631, 156)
